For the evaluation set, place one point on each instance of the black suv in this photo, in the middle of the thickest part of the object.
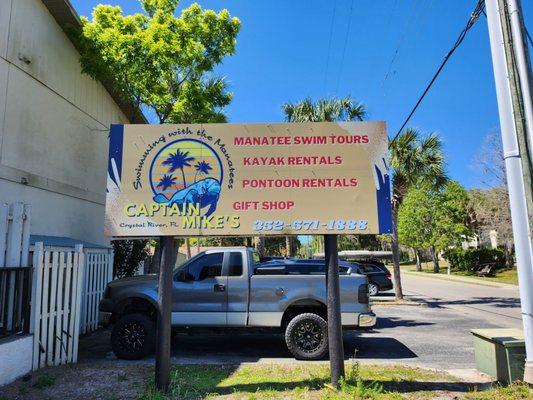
(378, 275)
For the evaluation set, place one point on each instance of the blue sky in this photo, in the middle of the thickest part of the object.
(287, 51)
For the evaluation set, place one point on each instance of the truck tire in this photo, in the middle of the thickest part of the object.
(307, 337)
(133, 337)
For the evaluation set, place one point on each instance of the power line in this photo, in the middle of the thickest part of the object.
(344, 46)
(471, 21)
(528, 36)
(410, 23)
(329, 43)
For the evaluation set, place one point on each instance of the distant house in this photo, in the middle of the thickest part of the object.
(53, 122)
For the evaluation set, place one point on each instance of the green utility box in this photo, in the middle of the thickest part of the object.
(500, 353)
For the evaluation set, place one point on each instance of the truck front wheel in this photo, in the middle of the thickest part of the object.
(307, 337)
(133, 337)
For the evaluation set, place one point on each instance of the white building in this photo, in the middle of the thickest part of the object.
(53, 122)
(53, 136)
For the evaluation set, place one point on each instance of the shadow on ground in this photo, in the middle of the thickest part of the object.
(248, 347)
(500, 302)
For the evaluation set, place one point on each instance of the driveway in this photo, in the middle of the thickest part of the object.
(495, 303)
(433, 336)
(424, 336)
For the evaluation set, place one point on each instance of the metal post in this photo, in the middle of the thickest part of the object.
(513, 129)
(336, 348)
(164, 314)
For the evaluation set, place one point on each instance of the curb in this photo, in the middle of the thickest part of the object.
(472, 281)
(417, 303)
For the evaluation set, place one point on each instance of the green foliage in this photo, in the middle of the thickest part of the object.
(416, 161)
(222, 241)
(44, 381)
(128, 255)
(161, 61)
(355, 386)
(465, 259)
(434, 218)
(345, 109)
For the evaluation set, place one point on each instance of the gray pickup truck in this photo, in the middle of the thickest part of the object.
(227, 288)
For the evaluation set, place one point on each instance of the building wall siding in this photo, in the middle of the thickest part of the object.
(15, 358)
(53, 125)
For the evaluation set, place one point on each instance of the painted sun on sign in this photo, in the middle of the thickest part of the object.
(187, 172)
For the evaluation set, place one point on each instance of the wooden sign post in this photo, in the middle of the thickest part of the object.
(336, 347)
(168, 250)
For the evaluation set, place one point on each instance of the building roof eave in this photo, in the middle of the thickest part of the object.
(65, 15)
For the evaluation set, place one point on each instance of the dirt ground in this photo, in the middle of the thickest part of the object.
(102, 380)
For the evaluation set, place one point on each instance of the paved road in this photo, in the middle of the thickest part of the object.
(498, 305)
(436, 336)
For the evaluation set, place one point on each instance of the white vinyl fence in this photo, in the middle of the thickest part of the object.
(56, 304)
(97, 273)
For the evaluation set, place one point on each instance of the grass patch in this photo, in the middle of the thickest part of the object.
(502, 276)
(303, 381)
(44, 381)
(515, 391)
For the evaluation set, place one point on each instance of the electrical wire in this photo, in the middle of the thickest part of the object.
(329, 43)
(471, 21)
(410, 23)
(528, 36)
(344, 47)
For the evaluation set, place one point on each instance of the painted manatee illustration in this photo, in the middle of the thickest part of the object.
(205, 192)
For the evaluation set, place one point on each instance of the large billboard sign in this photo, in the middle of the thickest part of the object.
(248, 179)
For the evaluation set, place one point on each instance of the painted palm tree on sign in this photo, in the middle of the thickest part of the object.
(203, 168)
(166, 181)
(179, 160)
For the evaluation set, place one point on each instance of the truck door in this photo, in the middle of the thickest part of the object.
(237, 287)
(202, 297)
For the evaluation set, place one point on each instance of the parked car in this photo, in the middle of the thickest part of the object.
(224, 287)
(379, 277)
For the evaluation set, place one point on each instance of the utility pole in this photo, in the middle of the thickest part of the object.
(512, 74)
(336, 347)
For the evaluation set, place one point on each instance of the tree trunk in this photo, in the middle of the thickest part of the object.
(418, 263)
(436, 266)
(188, 247)
(288, 246)
(153, 268)
(260, 245)
(396, 254)
(508, 254)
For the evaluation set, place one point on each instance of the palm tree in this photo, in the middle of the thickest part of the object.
(333, 109)
(166, 181)
(414, 161)
(179, 160)
(202, 167)
(322, 110)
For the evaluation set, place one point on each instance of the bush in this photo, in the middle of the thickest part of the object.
(128, 255)
(466, 260)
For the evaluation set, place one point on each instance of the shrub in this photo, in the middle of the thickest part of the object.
(128, 255)
(465, 260)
